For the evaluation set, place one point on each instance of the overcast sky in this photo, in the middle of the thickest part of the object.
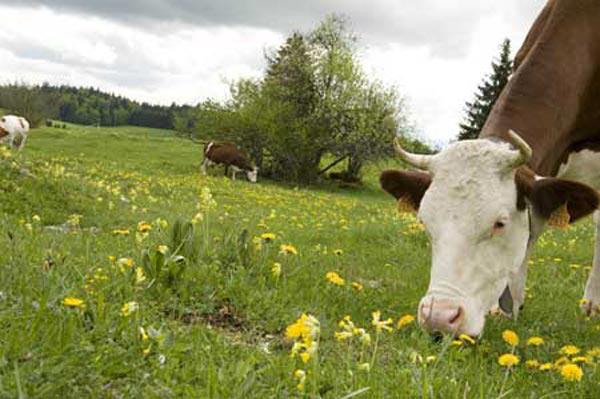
(434, 51)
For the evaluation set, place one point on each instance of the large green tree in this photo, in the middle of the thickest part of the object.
(487, 94)
(314, 99)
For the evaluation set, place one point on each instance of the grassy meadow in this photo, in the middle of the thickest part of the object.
(126, 274)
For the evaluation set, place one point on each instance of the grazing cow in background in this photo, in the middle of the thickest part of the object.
(229, 155)
(12, 128)
(485, 202)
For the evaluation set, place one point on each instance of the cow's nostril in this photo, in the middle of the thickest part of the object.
(437, 336)
(457, 317)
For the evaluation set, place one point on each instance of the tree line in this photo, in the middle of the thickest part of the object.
(83, 105)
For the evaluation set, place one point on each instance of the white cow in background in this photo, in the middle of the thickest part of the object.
(13, 131)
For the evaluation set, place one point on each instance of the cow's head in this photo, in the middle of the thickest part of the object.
(252, 174)
(477, 216)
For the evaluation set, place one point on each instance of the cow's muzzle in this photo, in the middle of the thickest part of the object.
(441, 315)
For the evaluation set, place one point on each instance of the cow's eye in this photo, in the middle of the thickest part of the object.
(498, 227)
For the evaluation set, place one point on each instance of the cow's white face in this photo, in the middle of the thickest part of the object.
(252, 175)
(477, 233)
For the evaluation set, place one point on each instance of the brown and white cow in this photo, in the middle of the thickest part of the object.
(485, 202)
(14, 129)
(229, 155)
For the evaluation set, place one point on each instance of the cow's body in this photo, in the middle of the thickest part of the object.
(14, 130)
(483, 199)
(229, 155)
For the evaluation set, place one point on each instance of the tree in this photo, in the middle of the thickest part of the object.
(487, 94)
(314, 99)
(360, 117)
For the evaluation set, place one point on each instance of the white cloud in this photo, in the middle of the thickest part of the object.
(435, 51)
(184, 65)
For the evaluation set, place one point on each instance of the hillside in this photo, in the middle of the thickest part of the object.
(106, 290)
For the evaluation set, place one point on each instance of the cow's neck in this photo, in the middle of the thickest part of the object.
(552, 99)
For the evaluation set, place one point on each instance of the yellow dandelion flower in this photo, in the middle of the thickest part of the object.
(288, 249)
(571, 372)
(569, 350)
(430, 359)
(140, 277)
(73, 302)
(582, 359)
(364, 338)
(300, 375)
(594, 352)
(561, 361)
(357, 286)
(125, 262)
(143, 334)
(338, 252)
(546, 366)
(144, 227)
(120, 232)
(305, 333)
(334, 278)
(508, 360)
(162, 249)
(198, 217)
(535, 341)
(405, 321)
(268, 237)
(381, 324)
(276, 269)
(532, 364)
(128, 308)
(305, 356)
(510, 337)
(343, 335)
(467, 339)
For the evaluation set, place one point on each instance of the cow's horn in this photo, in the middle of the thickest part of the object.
(417, 160)
(520, 144)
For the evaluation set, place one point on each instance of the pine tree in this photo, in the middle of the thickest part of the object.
(487, 94)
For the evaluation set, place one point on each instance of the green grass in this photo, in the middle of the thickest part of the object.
(216, 319)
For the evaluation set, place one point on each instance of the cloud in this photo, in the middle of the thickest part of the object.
(184, 65)
(443, 25)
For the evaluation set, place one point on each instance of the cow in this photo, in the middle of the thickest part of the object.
(229, 155)
(14, 127)
(536, 163)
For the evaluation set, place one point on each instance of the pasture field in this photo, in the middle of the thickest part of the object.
(108, 290)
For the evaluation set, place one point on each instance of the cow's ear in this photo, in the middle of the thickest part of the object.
(408, 187)
(562, 202)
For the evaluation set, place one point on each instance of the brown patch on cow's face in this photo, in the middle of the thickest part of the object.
(407, 187)
(3, 132)
(556, 200)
